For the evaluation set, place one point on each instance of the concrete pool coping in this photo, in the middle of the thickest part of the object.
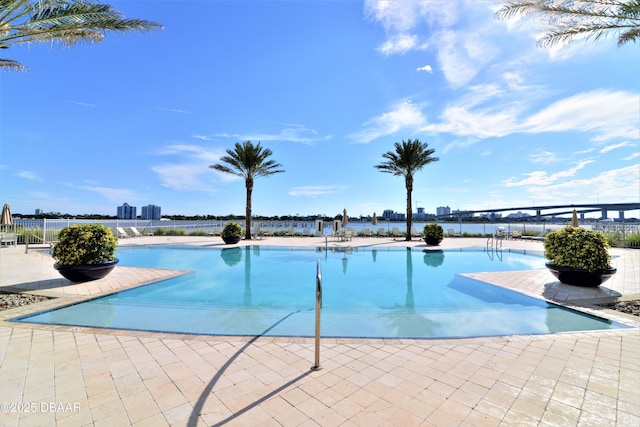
(143, 378)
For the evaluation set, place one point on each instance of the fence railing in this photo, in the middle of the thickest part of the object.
(45, 231)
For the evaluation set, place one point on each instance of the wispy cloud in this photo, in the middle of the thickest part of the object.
(82, 104)
(188, 167)
(400, 18)
(295, 133)
(174, 110)
(116, 195)
(607, 114)
(463, 55)
(402, 43)
(616, 146)
(544, 157)
(542, 178)
(402, 116)
(426, 68)
(29, 175)
(619, 185)
(316, 190)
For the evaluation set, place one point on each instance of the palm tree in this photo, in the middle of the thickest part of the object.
(248, 161)
(408, 158)
(571, 19)
(64, 21)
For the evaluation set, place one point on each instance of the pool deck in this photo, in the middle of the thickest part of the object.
(57, 375)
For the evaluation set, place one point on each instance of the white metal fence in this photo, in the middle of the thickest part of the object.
(45, 231)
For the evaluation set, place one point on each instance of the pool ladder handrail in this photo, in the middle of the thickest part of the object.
(494, 242)
(316, 366)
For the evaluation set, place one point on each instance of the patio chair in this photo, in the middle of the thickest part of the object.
(121, 234)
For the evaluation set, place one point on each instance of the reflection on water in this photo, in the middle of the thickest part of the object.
(390, 292)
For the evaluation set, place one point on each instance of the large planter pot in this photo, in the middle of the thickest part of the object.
(86, 272)
(577, 277)
(231, 240)
(432, 241)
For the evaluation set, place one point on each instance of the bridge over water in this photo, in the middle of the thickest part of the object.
(555, 210)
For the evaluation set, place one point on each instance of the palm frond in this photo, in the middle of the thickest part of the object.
(10, 64)
(66, 22)
(572, 19)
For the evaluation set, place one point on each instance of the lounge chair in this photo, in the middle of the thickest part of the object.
(136, 233)
(395, 232)
(366, 232)
(8, 238)
(452, 233)
(256, 231)
(121, 234)
(382, 232)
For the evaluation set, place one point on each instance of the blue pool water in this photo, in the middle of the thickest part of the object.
(391, 292)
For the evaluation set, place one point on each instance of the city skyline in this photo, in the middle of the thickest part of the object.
(329, 87)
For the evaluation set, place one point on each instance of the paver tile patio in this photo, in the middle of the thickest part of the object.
(112, 377)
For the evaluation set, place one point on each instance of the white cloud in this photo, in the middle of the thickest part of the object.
(295, 133)
(426, 68)
(174, 110)
(399, 18)
(82, 104)
(608, 114)
(619, 185)
(29, 175)
(403, 116)
(117, 195)
(616, 146)
(189, 167)
(317, 190)
(401, 43)
(543, 178)
(544, 157)
(462, 55)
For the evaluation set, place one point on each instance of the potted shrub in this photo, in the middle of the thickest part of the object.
(232, 233)
(85, 252)
(578, 256)
(433, 234)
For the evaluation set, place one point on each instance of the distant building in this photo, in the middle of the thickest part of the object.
(443, 211)
(518, 215)
(421, 215)
(491, 216)
(39, 212)
(390, 215)
(126, 212)
(151, 212)
(462, 214)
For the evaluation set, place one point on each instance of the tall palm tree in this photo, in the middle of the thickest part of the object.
(66, 22)
(408, 158)
(571, 19)
(249, 162)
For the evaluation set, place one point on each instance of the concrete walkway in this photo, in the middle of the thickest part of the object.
(54, 375)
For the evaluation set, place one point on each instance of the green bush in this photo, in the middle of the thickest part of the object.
(576, 247)
(433, 233)
(82, 244)
(231, 230)
(162, 231)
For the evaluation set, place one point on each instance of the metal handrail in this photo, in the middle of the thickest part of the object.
(316, 366)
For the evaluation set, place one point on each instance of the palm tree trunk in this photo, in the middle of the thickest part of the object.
(247, 213)
(409, 185)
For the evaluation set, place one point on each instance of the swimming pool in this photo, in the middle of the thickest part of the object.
(369, 293)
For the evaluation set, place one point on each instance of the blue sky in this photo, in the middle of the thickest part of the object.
(328, 86)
